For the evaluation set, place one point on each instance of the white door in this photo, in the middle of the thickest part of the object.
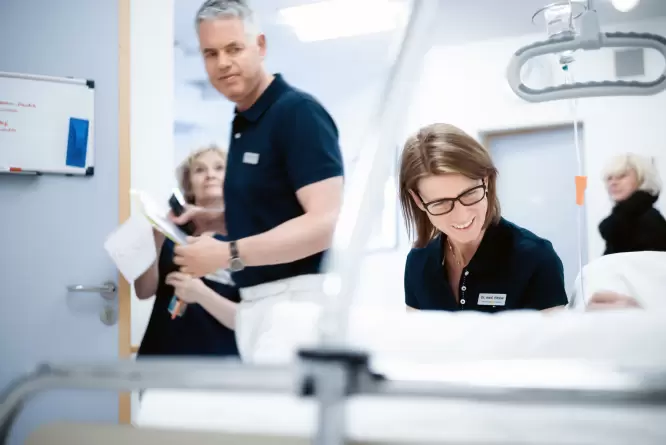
(52, 228)
(537, 188)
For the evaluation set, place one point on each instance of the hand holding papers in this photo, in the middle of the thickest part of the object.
(131, 245)
(158, 216)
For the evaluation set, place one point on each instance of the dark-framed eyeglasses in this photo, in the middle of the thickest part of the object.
(467, 198)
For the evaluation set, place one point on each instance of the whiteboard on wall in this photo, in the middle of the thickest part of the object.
(46, 125)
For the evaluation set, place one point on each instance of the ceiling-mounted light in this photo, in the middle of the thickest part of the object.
(625, 5)
(332, 19)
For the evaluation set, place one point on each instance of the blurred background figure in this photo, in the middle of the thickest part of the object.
(634, 224)
(207, 326)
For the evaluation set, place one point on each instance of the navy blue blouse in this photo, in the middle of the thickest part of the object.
(196, 333)
(512, 269)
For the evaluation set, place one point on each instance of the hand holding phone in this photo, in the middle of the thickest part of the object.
(177, 204)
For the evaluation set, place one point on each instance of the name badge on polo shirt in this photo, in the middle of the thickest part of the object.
(492, 299)
(250, 158)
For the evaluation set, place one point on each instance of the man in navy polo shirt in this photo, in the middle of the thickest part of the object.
(283, 187)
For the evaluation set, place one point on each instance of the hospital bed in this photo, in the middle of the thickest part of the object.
(512, 351)
(515, 378)
(341, 374)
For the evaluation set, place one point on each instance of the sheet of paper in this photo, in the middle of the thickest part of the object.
(132, 247)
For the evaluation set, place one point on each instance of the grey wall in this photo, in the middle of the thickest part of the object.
(52, 228)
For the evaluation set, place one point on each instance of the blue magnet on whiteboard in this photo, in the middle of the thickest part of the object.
(77, 143)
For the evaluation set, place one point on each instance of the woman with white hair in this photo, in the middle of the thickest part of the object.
(634, 185)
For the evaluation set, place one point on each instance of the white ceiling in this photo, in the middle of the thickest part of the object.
(351, 64)
(462, 20)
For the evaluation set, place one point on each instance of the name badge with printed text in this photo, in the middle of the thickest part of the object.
(250, 158)
(492, 299)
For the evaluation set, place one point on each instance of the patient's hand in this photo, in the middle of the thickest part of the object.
(611, 300)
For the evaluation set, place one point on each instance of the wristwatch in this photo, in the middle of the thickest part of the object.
(235, 263)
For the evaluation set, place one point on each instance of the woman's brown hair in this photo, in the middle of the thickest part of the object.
(184, 170)
(438, 149)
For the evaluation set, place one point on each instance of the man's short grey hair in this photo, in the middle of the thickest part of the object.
(644, 167)
(224, 9)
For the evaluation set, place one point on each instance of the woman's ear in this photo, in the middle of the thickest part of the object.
(417, 200)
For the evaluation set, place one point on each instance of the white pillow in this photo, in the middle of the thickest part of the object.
(641, 275)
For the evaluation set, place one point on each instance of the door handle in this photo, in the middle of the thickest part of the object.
(109, 313)
(107, 290)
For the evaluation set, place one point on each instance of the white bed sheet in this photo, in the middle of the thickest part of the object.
(280, 326)
(407, 420)
(418, 344)
(627, 337)
(435, 339)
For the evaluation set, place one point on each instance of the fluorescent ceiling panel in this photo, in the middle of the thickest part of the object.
(334, 19)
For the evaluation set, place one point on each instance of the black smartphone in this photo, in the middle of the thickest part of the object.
(176, 202)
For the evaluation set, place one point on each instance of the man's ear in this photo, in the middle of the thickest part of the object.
(417, 200)
(261, 43)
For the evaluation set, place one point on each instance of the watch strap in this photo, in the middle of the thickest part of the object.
(233, 249)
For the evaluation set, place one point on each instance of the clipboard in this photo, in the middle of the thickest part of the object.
(157, 216)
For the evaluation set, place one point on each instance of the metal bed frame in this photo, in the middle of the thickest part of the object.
(331, 377)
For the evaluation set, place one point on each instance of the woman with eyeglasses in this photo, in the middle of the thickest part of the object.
(466, 256)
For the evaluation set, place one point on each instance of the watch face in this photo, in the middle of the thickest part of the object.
(236, 265)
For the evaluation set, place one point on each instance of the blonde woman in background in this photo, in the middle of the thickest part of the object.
(207, 326)
(634, 224)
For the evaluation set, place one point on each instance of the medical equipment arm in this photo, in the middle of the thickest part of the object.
(333, 367)
(363, 201)
(590, 38)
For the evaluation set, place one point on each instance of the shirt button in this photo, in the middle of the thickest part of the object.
(462, 301)
(464, 288)
(237, 135)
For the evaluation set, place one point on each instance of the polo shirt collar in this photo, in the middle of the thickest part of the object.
(267, 98)
(496, 243)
